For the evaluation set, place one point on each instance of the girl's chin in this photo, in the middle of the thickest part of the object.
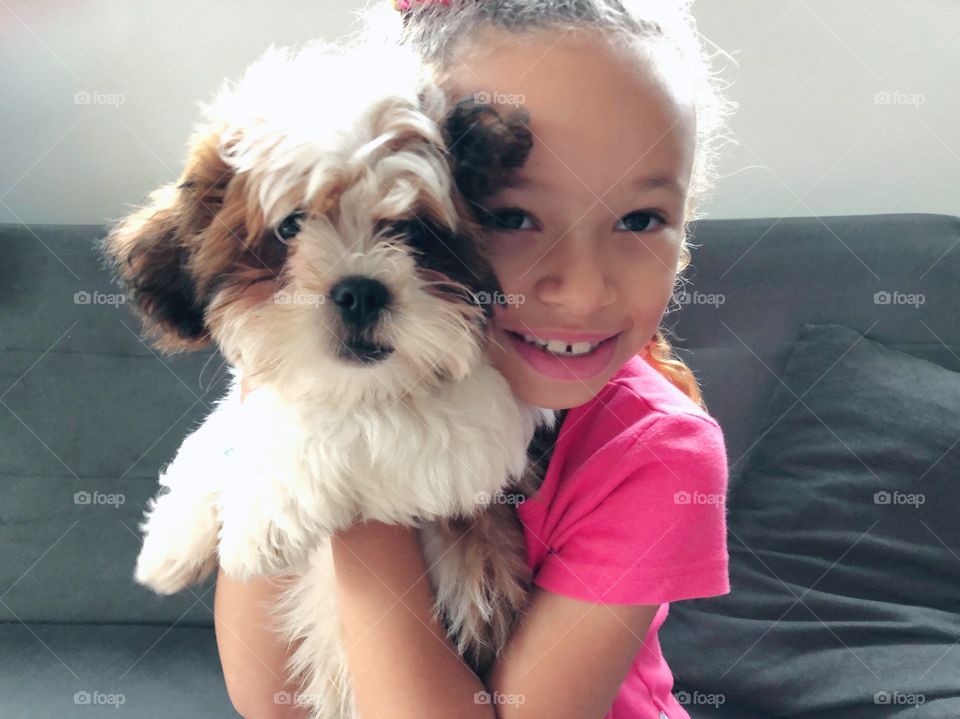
(554, 394)
(547, 392)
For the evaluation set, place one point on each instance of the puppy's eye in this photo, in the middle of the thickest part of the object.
(391, 228)
(289, 227)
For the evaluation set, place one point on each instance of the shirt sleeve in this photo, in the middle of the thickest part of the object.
(659, 534)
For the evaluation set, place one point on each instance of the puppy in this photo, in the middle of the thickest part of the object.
(324, 235)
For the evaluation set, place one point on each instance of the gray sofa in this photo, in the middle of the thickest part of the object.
(89, 413)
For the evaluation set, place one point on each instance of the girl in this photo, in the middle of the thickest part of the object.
(589, 241)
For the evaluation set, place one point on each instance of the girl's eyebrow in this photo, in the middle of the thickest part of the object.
(657, 181)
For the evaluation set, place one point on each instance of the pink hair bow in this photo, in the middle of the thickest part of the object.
(404, 5)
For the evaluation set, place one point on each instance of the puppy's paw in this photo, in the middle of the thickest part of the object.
(265, 551)
(179, 541)
(240, 553)
(167, 573)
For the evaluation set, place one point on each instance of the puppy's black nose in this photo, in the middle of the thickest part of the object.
(360, 299)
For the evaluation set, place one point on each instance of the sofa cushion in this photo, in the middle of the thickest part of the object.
(844, 544)
(133, 671)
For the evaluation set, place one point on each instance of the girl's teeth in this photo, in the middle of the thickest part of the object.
(562, 348)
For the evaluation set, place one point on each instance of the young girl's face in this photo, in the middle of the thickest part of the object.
(586, 242)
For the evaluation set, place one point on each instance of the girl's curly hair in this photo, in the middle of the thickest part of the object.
(646, 30)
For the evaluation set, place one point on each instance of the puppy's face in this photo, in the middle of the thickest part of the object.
(322, 232)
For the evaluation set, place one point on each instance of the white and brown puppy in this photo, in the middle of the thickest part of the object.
(322, 235)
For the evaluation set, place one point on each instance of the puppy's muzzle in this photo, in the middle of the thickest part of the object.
(361, 301)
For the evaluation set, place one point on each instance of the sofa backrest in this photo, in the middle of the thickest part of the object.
(89, 413)
(754, 282)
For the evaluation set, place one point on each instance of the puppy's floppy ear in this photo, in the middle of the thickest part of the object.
(485, 146)
(151, 251)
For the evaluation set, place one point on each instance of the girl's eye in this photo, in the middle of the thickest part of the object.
(510, 218)
(640, 221)
(513, 218)
(289, 227)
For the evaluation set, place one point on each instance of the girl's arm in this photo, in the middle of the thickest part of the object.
(251, 655)
(401, 662)
(566, 660)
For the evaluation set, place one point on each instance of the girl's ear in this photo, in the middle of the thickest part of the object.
(150, 252)
(485, 146)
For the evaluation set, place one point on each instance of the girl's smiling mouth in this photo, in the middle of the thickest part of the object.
(566, 358)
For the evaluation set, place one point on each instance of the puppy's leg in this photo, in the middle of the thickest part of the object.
(265, 529)
(181, 524)
(308, 610)
(260, 533)
(479, 572)
(478, 564)
(275, 503)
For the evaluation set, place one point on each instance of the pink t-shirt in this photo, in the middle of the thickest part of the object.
(632, 511)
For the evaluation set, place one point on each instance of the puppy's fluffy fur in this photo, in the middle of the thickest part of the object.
(323, 236)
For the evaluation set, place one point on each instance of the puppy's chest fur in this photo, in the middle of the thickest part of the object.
(396, 461)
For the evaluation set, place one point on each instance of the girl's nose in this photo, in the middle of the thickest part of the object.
(573, 276)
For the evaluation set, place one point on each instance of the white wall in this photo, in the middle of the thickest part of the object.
(813, 138)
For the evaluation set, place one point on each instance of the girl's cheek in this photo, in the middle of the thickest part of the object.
(510, 264)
